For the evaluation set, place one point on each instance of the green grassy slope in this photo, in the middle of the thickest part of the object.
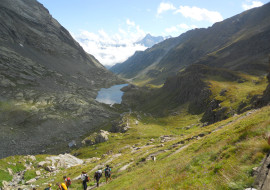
(221, 158)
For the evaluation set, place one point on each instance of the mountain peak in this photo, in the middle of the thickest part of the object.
(150, 40)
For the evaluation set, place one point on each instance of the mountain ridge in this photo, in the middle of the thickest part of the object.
(216, 46)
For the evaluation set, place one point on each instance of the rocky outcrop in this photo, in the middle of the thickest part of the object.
(265, 98)
(262, 181)
(189, 86)
(53, 163)
(95, 138)
(215, 112)
(121, 126)
(102, 136)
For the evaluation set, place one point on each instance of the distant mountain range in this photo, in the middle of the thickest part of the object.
(149, 40)
(239, 43)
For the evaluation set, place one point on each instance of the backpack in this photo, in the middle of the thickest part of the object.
(87, 178)
(98, 174)
(63, 186)
(107, 171)
(68, 182)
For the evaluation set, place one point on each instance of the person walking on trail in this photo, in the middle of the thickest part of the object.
(97, 176)
(61, 186)
(67, 181)
(107, 172)
(85, 179)
(49, 187)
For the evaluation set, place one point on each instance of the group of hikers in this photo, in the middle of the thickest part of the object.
(85, 178)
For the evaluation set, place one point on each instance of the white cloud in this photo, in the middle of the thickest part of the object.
(163, 7)
(180, 28)
(172, 29)
(111, 49)
(130, 23)
(249, 5)
(199, 14)
(183, 26)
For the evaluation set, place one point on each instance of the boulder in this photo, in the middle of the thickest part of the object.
(102, 136)
(50, 168)
(43, 164)
(121, 126)
(64, 161)
(30, 181)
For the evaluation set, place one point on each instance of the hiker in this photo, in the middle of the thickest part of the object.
(61, 186)
(85, 179)
(67, 181)
(108, 173)
(97, 176)
(49, 187)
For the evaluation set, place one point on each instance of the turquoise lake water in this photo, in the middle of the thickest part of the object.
(112, 95)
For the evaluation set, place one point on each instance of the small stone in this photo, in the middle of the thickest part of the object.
(38, 173)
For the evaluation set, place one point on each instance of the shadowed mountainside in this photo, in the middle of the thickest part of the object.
(48, 82)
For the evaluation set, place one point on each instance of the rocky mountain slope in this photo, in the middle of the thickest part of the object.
(48, 82)
(238, 43)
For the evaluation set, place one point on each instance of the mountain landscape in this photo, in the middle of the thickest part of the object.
(195, 114)
(226, 44)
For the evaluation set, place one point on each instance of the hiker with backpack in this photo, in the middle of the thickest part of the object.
(97, 176)
(49, 187)
(67, 181)
(85, 179)
(61, 186)
(107, 172)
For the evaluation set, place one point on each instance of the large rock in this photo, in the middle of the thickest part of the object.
(102, 136)
(43, 164)
(120, 126)
(64, 161)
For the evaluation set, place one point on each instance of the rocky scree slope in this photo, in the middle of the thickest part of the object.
(238, 43)
(48, 82)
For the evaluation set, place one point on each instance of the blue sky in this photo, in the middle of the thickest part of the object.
(108, 29)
